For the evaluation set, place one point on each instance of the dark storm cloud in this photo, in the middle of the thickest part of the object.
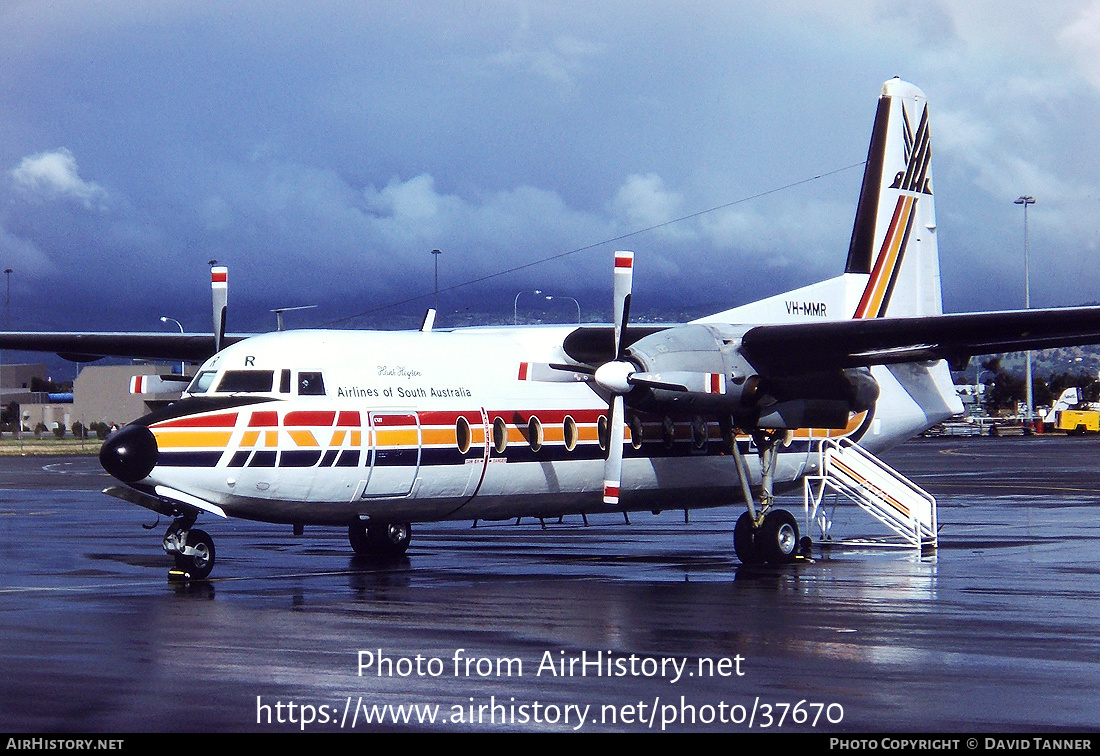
(323, 150)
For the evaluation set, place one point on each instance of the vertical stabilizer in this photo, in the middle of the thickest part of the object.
(894, 237)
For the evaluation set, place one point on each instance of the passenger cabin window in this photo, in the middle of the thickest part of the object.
(245, 381)
(310, 384)
(202, 383)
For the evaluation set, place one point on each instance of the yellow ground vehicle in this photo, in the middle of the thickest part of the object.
(1077, 422)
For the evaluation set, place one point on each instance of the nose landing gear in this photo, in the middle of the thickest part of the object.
(193, 550)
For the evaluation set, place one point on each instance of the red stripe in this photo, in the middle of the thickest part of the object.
(880, 262)
(393, 421)
(264, 420)
(218, 276)
(309, 418)
(438, 418)
(624, 262)
(522, 417)
(348, 420)
(715, 383)
(202, 421)
(523, 370)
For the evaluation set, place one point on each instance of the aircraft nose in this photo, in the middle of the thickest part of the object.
(130, 453)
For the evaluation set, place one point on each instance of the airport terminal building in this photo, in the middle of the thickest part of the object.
(101, 394)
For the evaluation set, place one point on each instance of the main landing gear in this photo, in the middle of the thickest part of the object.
(380, 540)
(193, 550)
(763, 534)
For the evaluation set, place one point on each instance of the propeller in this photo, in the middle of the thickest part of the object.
(219, 295)
(614, 377)
(619, 376)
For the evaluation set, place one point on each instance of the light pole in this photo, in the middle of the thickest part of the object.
(1026, 200)
(7, 300)
(550, 297)
(7, 327)
(165, 319)
(515, 306)
(435, 256)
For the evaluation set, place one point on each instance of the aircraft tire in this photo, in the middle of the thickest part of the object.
(357, 536)
(777, 539)
(744, 544)
(380, 540)
(197, 567)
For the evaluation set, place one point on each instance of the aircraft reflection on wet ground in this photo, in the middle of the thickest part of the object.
(996, 632)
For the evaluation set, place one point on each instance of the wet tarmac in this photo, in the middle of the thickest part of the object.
(611, 627)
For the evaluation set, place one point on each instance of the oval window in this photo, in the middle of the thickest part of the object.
(699, 432)
(636, 432)
(462, 434)
(534, 433)
(500, 435)
(668, 432)
(603, 432)
(569, 430)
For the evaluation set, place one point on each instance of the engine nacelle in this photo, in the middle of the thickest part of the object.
(811, 399)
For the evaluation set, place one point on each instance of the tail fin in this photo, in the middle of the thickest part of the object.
(894, 238)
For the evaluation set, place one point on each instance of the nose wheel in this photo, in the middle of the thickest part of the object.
(192, 549)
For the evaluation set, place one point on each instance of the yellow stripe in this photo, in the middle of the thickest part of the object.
(184, 439)
(303, 438)
(395, 437)
(892, 249)
(432, 437)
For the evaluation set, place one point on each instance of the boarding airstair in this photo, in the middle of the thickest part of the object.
(848, 470)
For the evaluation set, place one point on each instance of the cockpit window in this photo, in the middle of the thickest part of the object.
(245, 381)
(310, 384)
(202, 383)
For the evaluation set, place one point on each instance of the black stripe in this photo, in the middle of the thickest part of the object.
(861, 251)
(299, 457)
(188, 459)
(885, 304)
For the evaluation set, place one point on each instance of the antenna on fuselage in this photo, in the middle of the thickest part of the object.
(279, 314)
(428, 321)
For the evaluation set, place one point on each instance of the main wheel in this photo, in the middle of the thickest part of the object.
(381, 540)
(744, 540)
(777, 538)
(197, 565)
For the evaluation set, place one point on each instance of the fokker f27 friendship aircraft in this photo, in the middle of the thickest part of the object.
(374, 430)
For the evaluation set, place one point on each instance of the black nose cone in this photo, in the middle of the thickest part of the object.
(130, 453)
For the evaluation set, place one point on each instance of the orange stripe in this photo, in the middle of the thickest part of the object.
(873, 294)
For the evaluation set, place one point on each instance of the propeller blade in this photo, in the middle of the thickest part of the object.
(613, 465)
(542, 372)
(624, 281)
(219, 295)
(681, 380)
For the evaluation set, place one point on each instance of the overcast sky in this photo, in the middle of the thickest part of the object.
(322, 150)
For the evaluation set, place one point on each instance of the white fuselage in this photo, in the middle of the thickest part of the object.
(325, 426)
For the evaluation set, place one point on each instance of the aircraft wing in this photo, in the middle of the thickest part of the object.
(85, 347)
(816, 346)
